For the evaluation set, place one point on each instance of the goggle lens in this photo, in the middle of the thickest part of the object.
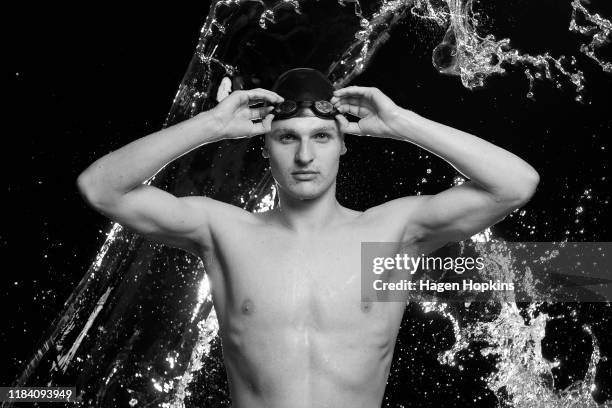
(289, 108)
(324, 107)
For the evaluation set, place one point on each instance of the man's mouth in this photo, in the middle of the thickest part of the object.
(304, 174)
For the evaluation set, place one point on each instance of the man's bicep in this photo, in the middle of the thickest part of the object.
(180, 222)
(458, 213)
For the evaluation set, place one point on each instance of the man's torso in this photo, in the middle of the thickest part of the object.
(294, 328)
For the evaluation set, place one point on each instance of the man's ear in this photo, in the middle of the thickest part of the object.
(343, 150)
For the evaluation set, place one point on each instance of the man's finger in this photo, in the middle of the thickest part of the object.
(349, 99)
(342, 121)
(348, 127)
(254, 102)
(353, 129)
(261, 112)
(359, 90)
(346, 108)
(354, 110)
(262, 127)
(260, 93)
(267, 123)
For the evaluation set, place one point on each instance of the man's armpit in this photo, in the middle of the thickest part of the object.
(401, 213)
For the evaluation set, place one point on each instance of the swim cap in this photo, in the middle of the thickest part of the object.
(304, 84)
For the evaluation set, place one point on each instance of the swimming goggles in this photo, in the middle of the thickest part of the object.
(288, 108)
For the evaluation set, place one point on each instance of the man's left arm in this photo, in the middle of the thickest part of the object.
(499, 181)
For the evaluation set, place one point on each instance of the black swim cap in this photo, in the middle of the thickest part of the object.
(303, 84)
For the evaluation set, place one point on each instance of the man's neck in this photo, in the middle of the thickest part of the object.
(304, 216)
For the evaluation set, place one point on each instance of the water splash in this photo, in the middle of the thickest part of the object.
(598, 28)
(207, 332)
(374, 33)
(522, 378)
(474, 57)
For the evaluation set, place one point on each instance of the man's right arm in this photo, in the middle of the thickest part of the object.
(113, 185)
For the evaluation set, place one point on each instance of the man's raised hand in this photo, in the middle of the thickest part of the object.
(376, 111)
(235, 114)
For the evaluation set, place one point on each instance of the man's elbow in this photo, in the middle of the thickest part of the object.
(519, 193)
(83, 186)
(527, 189)
(88, 191)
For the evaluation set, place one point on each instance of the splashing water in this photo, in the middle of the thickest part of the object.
(597, 28)
(523, 378)
(474, 58)
(521, 372)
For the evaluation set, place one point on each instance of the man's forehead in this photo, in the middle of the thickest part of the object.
(288, 129)
(311, 124)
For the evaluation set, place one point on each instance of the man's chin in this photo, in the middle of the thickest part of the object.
(304, 194)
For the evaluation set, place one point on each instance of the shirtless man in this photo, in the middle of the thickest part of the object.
(286, 283)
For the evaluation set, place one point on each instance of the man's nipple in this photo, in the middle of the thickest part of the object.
(366, 305)
(247, 307)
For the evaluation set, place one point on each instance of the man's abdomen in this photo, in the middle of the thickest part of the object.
(338, 361)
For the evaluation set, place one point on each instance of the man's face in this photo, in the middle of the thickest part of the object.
(304, 144)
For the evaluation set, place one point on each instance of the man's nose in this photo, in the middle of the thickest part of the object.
(305, 153)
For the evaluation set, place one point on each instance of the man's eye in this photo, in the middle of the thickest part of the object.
(286, 137)
(322, 136)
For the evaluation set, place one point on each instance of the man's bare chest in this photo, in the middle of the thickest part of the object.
(295, 264)
(290, 278)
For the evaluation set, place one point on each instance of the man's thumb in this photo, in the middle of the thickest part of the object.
(342, 121)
